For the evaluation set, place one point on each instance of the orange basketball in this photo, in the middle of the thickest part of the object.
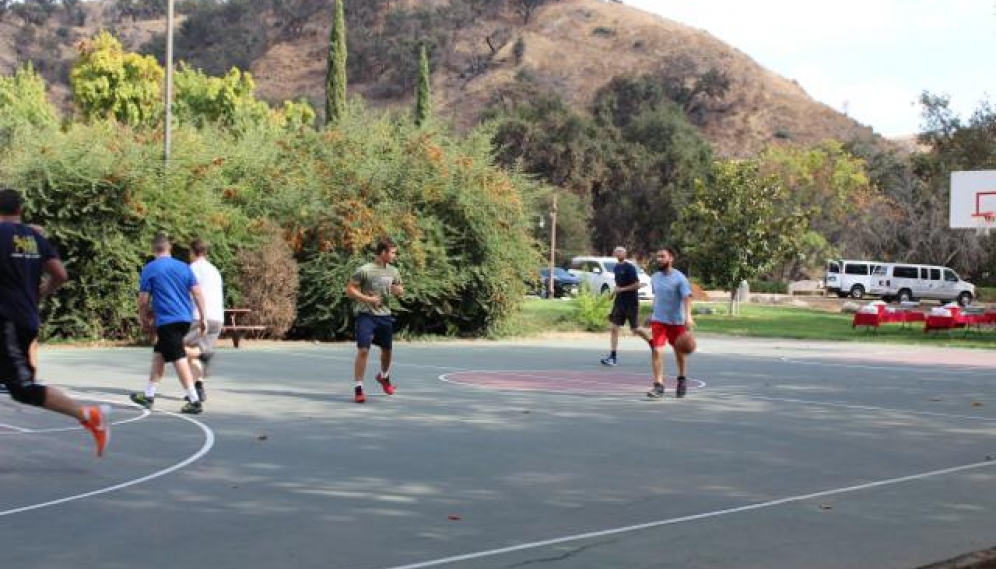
(685, 343)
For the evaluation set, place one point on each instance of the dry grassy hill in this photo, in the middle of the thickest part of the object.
(572, 46)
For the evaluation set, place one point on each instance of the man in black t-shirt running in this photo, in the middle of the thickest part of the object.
(626, 305)
(24, 256)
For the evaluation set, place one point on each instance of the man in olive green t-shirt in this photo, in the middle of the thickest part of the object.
(371, 287)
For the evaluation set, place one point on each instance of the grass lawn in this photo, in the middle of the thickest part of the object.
(540, 316)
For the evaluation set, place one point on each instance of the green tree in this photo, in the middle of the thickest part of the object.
(108, 82)
(23, 101)
(736, 225)
(227, 100)
(335, 78)
(423, 97)
(829, 180)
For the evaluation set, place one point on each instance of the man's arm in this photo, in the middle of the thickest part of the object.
(199, 301)
(689, 321)
(145, 316)
(353, 291)
(56, 273)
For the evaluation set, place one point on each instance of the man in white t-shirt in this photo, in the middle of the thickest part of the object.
(200, 347)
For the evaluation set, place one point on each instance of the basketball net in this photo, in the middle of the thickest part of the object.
(985, 223)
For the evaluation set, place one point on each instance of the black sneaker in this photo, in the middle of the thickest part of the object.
(657, 391)
(192, 407)
(682, 387)
(199, 388)
(608, 361)
(142, 400)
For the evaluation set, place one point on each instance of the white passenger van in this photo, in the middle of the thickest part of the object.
(846, 277)
(904, 282)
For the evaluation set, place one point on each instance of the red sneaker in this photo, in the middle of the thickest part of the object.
(358, 395)
(385, 383)
(97, 421)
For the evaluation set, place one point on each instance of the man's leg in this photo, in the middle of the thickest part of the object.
(681, 360)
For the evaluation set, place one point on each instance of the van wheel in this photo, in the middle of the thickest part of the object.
(857, 291)
(964, 299)
(905, 295)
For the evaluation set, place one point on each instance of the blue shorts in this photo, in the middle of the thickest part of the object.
(372, 329)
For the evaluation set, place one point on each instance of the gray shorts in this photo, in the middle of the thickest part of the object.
(206, 341)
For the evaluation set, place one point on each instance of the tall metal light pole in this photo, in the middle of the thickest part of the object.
(167, 131)
(553, 245)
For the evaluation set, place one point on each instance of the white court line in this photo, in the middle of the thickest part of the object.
(957, 369)
(691, 518)
(697, 383)
(144, 413)
(205, 448)
(728, 394)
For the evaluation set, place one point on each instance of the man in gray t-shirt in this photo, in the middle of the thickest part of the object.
(371, 287)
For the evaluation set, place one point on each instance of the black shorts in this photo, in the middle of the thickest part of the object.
(169, 341)
(15, 367)
(372, 329)
(621, 312)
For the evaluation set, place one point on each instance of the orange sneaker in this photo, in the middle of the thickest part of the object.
(358, 395)
(99, 424)
(385, 384)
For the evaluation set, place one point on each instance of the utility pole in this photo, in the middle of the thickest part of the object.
(167, 131)
(553, 245)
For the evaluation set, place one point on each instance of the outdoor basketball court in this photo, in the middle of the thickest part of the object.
(513, 454)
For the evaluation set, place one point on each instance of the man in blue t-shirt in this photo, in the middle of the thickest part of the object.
(672, 317)
(164, 308)
(625, 305)
(25, 255)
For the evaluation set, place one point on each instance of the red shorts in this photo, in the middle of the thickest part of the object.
(664, 334)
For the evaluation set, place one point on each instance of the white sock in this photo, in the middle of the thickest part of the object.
(192, 395)
(150, 389)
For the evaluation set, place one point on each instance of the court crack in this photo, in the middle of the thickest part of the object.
(573, 552)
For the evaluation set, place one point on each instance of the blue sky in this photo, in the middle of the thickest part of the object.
(870, 58)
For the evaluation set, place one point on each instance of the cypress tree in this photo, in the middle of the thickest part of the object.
(335, 79)
(423, 104)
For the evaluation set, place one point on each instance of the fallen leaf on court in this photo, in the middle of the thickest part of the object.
(976, 404)
(826, 507)
(525, 412)
(453, 517)
(262, 437)
(936, 399)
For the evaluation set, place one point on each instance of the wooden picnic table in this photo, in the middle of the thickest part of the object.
(236, 327)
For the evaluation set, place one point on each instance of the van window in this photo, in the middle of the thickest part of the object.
(856, 269)
(904, 272)
(878, 270)
(833, 267)
(935, 274)
(923, 273)
(950, 276)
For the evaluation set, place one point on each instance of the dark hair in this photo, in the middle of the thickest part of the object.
(199, 247)
(11, 201)
(670, 251)
(384, 244)
(160, 242)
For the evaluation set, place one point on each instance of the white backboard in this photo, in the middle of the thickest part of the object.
(973, 195)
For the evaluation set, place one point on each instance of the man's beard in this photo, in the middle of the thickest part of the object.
(664, 266)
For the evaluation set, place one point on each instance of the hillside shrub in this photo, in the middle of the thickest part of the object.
(268, 282)
(592, 309)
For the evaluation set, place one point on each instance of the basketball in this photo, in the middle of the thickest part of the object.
(685, 343)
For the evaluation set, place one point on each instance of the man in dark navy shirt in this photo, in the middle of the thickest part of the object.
(626, 305)
(25, 255)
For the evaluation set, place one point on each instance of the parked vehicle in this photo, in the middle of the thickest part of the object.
(907, 282)
(904, 282)
(598, 273)
(564, 283)
(855, 278)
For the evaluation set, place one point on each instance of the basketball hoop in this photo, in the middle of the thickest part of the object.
(984, 223)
